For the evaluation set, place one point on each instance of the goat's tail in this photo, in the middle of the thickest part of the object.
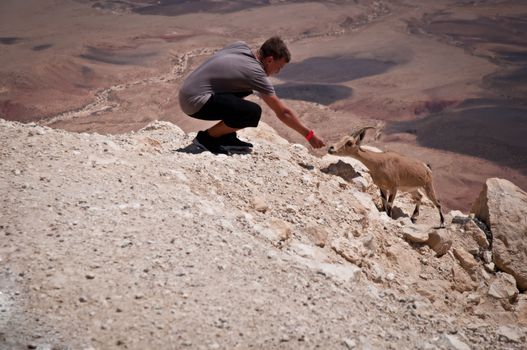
(429, 166)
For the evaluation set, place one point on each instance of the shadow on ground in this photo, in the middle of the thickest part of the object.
(334, 69)
(195, 149)
(491, 129)
(324, 94)
(180, 7)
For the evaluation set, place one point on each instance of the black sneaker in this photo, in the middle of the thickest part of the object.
(209, 143)
(232, 142)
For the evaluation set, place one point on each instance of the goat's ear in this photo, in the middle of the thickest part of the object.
(359, 134)
(362, 133)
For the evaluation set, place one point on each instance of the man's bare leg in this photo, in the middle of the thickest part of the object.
(220, 129)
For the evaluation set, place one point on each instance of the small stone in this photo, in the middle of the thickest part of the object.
(260, 205)
(361, 183)
(503, 287)
(521, 309)
(342, 169)
(459, 218)
(461, 280)
(369, 242)
(484, 274)
(349, 250)
(455, 343)
(318, 235)
(477, 234)
(90, 276)
(281, 228)
(413, 235)
(350, 343)
(474, 298)
(247, 250)
(490, 267)
(466, 260)
(307, 166)
(271, 254)
(439, 241)
(126, 243)
(375, 272)
(487, 256)
(510, 333)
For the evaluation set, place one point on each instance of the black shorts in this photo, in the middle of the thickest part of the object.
(236, 112)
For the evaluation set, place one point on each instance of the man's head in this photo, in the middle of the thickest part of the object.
(274, 55)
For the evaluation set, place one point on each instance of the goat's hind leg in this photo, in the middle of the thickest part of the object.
(432, 195)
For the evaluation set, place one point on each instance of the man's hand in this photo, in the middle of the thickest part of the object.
(315, 142)
(289, 118)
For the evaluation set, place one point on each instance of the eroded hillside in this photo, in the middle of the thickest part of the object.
(138, 241)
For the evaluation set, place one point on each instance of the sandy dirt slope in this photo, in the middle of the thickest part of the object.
(136, 241)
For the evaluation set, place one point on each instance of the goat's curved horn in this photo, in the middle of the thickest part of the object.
(361, 132)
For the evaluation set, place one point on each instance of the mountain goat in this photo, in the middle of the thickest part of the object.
(391, 172)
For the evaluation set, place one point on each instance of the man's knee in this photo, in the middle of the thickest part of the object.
(248, 117)
(253, 117)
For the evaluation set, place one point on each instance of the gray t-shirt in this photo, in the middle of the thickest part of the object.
(232, 69)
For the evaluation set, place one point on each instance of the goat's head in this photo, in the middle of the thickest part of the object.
(349, 144)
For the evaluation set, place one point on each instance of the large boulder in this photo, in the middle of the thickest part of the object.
(503, 207)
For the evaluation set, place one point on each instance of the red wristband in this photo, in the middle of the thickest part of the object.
(310, 135)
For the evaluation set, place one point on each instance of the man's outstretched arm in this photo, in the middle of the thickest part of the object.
(289, 118)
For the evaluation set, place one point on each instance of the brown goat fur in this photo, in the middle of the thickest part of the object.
(391, 172)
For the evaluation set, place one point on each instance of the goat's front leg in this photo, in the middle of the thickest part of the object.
(384, 198)
(391, 198)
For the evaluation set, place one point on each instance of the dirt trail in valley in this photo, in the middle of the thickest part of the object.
(103, 102)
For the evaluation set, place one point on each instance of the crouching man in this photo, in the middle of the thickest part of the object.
(216, 91)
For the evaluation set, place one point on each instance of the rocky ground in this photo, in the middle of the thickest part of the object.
(138, 241)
